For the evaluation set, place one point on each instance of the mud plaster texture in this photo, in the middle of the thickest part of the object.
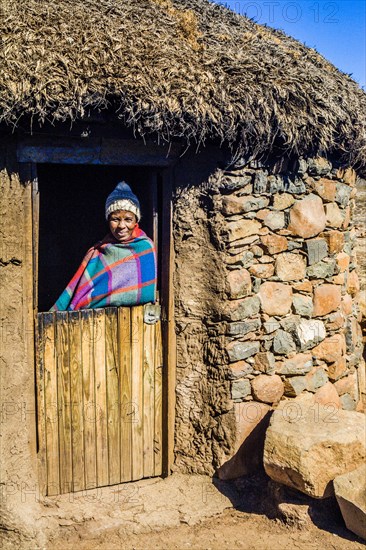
(267, 300)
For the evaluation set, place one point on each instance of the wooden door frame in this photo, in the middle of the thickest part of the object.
(31, 151)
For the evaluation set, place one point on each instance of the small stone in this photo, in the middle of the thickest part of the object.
(348, 404)
(316, 249)
(347, 304)
(283, 343)
(270, 326)
(301, 363)
(242, 229)
(333, 215)
(331, 349)
(261, 214)
(238, 283)
(290, 267)
(282, 201)
(304, 286)
(343, 194)
(315, 379)
(353, 283)
(267, 388)
(260, 183)
(294, 185)
(327, 396)
(240, 389)
(303, 305)
(319, 166)
(335, 240)
(322, 270)
(238, 351)
(347, 384)
(294, 245)
(274, 243)
(343, 261)
(339, 279)
(350, 491)
(240, 328)
(294, 386)
(232, 183)
(239, 369)
(325, 188)
(347, 217)
(264, 362)
(240, 205)
(275, 184)
(257, 251)
(266, 259)
(308, 333)
(263, 271)
(307, 218)
(327, 298)
(337, 369)
(335, 321)
(275, 220)
(276, 298)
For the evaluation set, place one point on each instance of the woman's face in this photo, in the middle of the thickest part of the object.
(121, 224)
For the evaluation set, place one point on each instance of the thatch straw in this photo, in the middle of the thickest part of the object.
(183, 69)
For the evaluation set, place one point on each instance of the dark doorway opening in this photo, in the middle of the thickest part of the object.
(72, 219)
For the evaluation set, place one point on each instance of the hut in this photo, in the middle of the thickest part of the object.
(244, 146)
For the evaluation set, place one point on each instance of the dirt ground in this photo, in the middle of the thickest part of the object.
(249, 519)
(232, 529)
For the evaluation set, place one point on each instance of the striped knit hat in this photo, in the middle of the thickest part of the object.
(122, 198)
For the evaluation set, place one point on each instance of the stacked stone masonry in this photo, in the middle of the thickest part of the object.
(291, 271)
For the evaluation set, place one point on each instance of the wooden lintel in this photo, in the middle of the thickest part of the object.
(103, 151)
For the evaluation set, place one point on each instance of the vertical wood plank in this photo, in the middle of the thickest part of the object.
(100, 398)
(124, 354)
(158, 387)
(76, 401)
(148, 396)
(168, 327)
(89, 410)
(137, 391)
(113, 401)
(64, 399)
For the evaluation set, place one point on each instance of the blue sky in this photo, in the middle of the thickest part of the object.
(337, 29)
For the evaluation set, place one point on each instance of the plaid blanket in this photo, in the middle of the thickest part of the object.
(113, 274)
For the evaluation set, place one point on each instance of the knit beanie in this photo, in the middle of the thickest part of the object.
(122, 198)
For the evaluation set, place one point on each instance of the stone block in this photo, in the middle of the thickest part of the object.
(251, 421)
(353, 283)
(240, 389)
(347, 384)
(325, 188)
(238, 351)
(281, 201)
(315, 379)
(306, 448)
(316, 250)
(232, 183)
(303, 286)
(303, 305)
(276, 298)
(271, 325)
(283, 343)
(335, 240)
(239, 369)
(242, 309)
(343, 261)
(240, 205)
(294, 185)
(307, 217)
(290, 267)
(319, 166)
(275, 184)
(239, 328)
(350, 492)
(241, 229)
(301, 363)
(333, 215)
(348, 403)
(267, 388)
(322, 270)
(260, 183)
(274, 220)
(343, 194)
(337, 369)
(327, 298)
(264, 362)
(294, 386)
(328, 397)
(239, 283)
(262, 271)
(331, 349)
(274, 243)
(308, 333)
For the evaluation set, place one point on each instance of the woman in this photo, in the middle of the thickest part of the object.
(120, 270)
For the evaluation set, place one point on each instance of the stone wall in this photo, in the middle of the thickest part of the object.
(282, 318)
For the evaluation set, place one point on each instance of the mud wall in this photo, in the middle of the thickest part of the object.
(266, 300)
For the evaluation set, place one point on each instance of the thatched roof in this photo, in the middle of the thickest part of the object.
(179, 68)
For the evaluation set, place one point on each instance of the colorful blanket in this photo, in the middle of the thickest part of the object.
(113, 274)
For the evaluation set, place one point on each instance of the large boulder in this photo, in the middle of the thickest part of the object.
(308, 445)
(350, 490)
